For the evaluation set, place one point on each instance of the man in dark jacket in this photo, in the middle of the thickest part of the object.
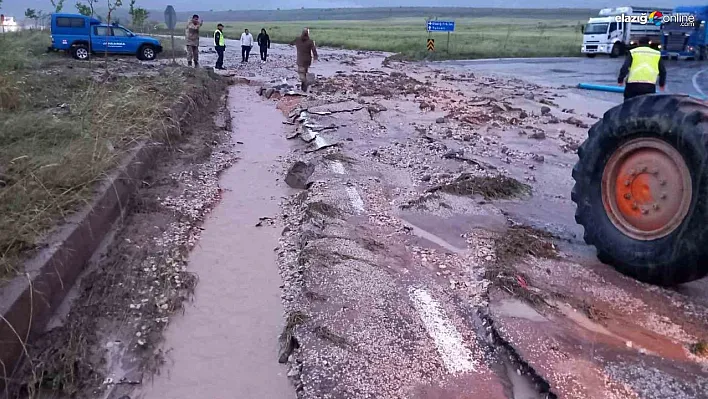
(306, 53)
(264, 44)
(641, 68)
(219, 46)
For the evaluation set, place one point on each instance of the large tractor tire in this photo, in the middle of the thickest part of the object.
(641, 188)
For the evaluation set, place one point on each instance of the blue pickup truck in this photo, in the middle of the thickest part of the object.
(81, 36)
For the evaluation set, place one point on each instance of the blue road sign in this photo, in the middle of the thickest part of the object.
(441, 26)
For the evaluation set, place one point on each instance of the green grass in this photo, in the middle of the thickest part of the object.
(64, 127)
(179, 48)
(492, 37)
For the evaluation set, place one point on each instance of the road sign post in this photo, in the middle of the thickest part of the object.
(2, 22)
(171, 22)
(442, 26)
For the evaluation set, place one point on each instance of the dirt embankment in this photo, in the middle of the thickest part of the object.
(79, 124)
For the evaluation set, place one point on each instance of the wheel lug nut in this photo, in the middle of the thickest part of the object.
(656, 207)
(663, 196)
(662, 182)
(627, 182)
(634, 206)
(627, 196)
(645, 211)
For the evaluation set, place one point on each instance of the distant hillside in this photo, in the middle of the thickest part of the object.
(341, 14)
(353, 14)
(383, 13)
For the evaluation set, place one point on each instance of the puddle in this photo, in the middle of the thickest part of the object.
(450, 230)
(522, 387)
(226, 340)
(541, 213)
(418, 232)
(583, 321)
(517, 309)
(519, 378)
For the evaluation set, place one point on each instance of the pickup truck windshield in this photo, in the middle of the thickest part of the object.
(596, 28)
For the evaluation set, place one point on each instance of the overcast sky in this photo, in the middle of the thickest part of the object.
(17, 7)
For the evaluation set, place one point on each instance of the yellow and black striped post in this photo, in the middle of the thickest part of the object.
(431, 44)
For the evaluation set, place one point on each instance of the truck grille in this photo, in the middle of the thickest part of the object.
(591, 47)
(676, 42)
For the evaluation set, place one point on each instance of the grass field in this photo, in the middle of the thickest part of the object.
(64, 125)
(489, 37)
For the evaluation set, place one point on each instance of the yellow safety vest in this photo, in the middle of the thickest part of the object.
(222, 41)
(645, 65)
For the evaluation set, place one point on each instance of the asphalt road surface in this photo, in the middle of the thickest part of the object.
(685, 77)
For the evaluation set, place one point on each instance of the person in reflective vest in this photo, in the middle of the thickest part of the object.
(219, 46)
(642, 67)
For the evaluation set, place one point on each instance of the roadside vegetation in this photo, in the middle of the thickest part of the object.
(64, 126)
(489, 37)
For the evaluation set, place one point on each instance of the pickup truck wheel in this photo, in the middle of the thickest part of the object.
(641, 189)
(147, 53)
(80, 52)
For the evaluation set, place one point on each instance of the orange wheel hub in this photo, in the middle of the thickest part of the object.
(646, 189)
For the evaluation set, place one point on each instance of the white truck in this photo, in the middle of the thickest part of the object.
(617, 30)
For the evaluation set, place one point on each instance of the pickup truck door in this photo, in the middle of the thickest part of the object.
(99, 38)
(122, 41)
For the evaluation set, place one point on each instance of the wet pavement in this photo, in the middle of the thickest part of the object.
(683, 77)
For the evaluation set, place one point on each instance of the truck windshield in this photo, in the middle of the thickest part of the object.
(677, 27)
(596, 28)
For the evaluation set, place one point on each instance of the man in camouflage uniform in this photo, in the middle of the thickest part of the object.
(306, 53)
(191, 36)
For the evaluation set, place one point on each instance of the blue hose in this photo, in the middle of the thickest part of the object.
(620, 89)
(591, 86)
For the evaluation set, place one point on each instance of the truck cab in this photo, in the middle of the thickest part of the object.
(601, 36)
(686, 37)
(614, 32)
(81, 36)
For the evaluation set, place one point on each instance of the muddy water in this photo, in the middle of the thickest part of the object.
(225, 345)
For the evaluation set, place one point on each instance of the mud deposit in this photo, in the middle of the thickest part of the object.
(414, 280)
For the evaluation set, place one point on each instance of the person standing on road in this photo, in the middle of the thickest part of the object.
(246, 45)
(264, 44)
(643, 65)
(191, 37)
(306, 53)
(219, 46)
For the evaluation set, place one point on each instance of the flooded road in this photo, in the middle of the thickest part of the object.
(226, 341)
(430, 250)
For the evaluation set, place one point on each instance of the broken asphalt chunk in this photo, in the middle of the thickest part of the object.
(298, 175)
